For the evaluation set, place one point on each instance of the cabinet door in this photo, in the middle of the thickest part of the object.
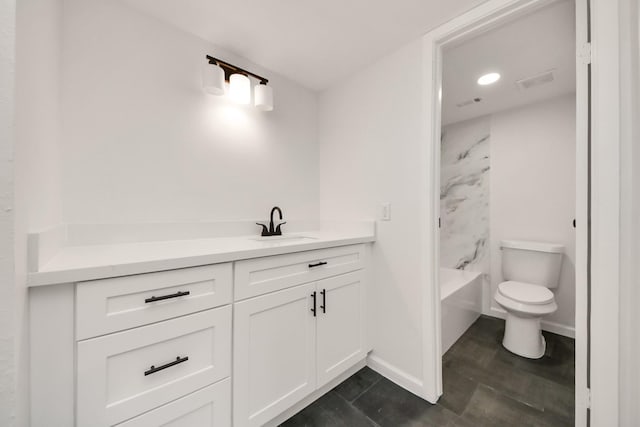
(340, 325)
(274, 354)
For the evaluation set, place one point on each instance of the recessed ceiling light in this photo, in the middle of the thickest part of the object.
(488, 79)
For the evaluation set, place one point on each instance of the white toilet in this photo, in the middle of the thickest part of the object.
(529, 269)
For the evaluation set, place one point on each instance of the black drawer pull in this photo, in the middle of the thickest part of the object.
(313, 309)
(324, 300)
(153, 369)
(318, 264)
(163, 297)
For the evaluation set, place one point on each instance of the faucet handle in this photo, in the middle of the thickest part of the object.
(278, 231)
(265, 230)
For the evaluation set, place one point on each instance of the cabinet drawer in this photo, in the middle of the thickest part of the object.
(109, 305)
(208, 407)
(127, 373)
(262, 275)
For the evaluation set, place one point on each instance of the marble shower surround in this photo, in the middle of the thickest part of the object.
(464, 195)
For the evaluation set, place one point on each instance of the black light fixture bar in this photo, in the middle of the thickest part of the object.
(232, 69)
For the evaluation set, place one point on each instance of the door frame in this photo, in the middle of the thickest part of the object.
(603, 222)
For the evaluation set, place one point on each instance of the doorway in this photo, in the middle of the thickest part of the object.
(476, 25)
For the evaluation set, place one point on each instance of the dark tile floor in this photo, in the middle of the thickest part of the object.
(484, 385)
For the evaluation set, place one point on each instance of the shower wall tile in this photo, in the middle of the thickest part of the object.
(464, 195)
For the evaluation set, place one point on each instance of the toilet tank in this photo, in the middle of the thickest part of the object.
(538, 263)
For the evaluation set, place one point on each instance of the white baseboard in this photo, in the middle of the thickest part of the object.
(556, 328)
(392, 373)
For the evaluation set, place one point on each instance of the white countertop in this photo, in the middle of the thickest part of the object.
(79, 263)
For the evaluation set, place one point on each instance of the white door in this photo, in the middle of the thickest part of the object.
(583, 189)
(274, 354)
(340, 325)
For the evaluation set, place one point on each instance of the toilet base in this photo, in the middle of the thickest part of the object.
(522, 336)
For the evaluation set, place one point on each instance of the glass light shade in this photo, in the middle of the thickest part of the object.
(213, 79)
(240, 89)
(263, 97)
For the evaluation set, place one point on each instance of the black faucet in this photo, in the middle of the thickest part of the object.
(271, 231)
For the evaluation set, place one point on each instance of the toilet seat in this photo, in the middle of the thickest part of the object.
(525, 293)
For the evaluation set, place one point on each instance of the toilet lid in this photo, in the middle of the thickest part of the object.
(525, 293)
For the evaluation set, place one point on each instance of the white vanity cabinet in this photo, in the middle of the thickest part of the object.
(142, 350)
(290, 342)
(236, 343)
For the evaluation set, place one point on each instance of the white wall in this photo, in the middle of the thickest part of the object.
(533, 187)
(7, 216)
(143, 143)
(29, 184)
(370, 153)
(39, 49)
(38, 201)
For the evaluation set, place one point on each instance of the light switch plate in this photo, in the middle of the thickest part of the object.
(386, 212)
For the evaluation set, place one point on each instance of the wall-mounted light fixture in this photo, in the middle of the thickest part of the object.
(213, 79)
(240, 89)
(216, 72)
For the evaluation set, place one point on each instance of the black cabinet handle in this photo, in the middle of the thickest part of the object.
(163, 297)
(324, 300)
(153, 369)
(313, 309)
(318, 264)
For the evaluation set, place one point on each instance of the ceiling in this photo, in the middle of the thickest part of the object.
(313, 42)
(541, 41)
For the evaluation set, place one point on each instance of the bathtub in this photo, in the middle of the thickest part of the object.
(461, 303)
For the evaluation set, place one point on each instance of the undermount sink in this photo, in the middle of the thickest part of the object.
(281, 238)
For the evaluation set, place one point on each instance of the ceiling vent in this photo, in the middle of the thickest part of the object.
(537, 80)
(469, 102)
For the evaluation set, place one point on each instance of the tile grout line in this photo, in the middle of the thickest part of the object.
(355, 408)
(375, 424)
(365, 390)
(350, 403)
